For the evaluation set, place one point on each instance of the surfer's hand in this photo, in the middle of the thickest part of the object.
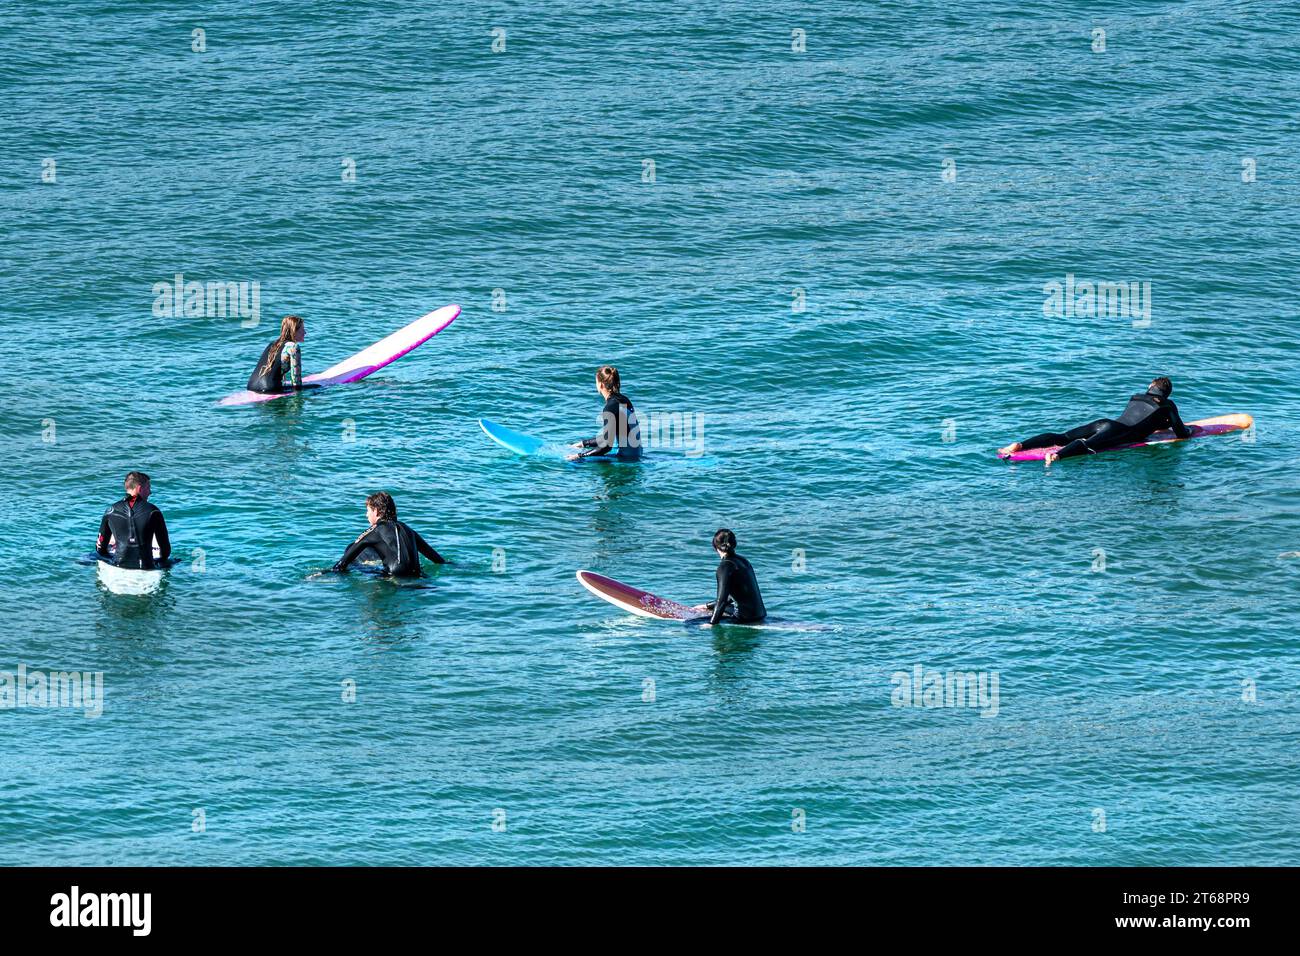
(572, 457)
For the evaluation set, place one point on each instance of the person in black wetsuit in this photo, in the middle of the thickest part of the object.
(620, 432)
(280, 367)
(132, 527)
(1146, 413)
(398, 545)
(739, 600)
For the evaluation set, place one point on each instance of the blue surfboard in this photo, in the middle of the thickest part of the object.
(521, 444)
(516, 442)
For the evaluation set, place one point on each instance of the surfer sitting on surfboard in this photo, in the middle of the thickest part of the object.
(1145, 414)
(280, 367)
(398, 545)
(132, 528)
(738, 596)
(619, 427)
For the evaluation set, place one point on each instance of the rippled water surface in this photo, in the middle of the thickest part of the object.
(857, 331)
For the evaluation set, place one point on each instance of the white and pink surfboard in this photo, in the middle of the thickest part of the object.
(369, 360)
(636, 601)
(644, 604)
(1200, 429)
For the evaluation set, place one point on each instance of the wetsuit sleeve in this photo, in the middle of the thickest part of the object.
(105, 534)
(603, 443)
(292, 363)
(354, 549)
(1176, 421)
(160, 535)
(291, 359)
(724, 593)
(426, 549)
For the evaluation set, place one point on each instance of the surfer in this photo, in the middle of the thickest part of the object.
(619, 426)
(398, 545)
(132, 528)
(738, 599)
(1146, 413)
(280, 367)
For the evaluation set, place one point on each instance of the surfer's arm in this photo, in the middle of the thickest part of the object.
(596, 446)
(427, 550)
(291, 361)
(160, 537)
(105, 536)
(354, 549)
(1176, 421)
(724, 593)
(603, 443)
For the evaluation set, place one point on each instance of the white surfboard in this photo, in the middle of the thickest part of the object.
(366, 362)
(133, 581)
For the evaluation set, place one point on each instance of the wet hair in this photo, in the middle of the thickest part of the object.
(724, 541)
(134, 481)
(607, 375)
(384, 505)
(290, 325)
(1161, 385)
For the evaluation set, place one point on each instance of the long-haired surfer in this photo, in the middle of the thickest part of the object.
(132, 528)
(739, 600)
(397, 544)
(1146, 413)
(620, 432)
(280, 367)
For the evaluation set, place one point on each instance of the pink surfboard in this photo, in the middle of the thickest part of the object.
(369, 360)
(1200, 429)
(636, 601)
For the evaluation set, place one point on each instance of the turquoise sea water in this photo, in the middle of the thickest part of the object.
(857, 330)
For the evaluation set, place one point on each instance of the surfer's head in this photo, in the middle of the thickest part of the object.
(724, 542)
(381, 507)
(607, 380)
(1161, 386)
(292, 329)
(136, 484)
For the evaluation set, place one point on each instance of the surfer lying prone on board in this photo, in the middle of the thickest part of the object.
(280, 367)
(738, 598)
(620, 432)
(398, 545)
(1145, 414)
(132, 528)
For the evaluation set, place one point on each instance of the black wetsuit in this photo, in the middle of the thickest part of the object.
(133, 527)
(266, 379)
(271, 379)
(398, 545)
(619, 429)
(738, 596)
(1145, 414)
